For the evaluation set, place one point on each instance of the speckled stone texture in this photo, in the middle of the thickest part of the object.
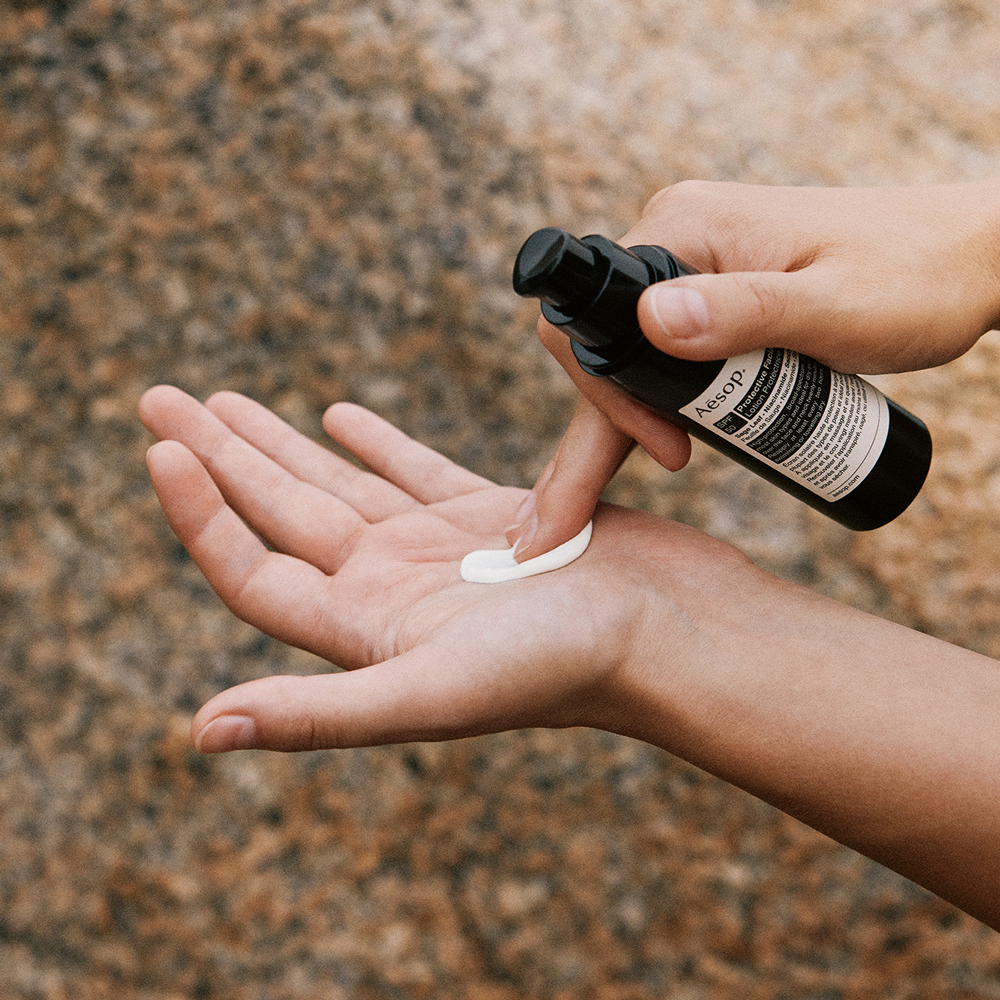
(313, 200)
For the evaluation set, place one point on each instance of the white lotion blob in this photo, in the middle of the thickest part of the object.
(498, 565)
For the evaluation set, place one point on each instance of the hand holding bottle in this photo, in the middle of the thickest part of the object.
(852, 277)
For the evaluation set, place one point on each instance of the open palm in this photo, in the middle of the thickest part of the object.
(361, 568)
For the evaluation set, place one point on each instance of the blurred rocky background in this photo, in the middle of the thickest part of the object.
(313, 200)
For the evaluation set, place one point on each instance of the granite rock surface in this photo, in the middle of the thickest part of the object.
(313, 200)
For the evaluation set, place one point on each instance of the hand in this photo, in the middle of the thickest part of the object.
(657, 632)
(363, 571)
(863, 279)
(866, 280)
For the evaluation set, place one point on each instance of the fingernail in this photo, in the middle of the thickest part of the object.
(527, 534)
(681, 312)
(523, 512)
(543, 479)
(227, 732)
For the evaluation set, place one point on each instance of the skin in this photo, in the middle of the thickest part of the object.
(658, 631)
(866, 280)
(803, 702)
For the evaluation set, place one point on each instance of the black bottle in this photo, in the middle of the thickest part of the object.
(832, 440)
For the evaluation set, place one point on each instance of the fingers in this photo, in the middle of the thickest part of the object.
(846, 275)
(785, 267)
(478, 675)
(396, 701)
(566, 494)
(438, 690)
(665, 442)
(372, 497)
(711, 316)
(387, 451)
(278, 594)
(294, 516)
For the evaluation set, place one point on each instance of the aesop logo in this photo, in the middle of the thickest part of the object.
(725, 391)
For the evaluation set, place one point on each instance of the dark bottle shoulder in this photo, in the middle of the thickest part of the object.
(662, 381)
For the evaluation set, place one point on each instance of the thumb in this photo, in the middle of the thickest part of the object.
(705, 317)
(422, 694)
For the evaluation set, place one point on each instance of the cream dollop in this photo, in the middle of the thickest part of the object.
(498, 565)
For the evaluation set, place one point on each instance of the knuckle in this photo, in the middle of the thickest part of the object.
(687, 195)
(694, 189)
(768, 305)
(298, 721)
(222, 397)
(655, 202)
(311, 733)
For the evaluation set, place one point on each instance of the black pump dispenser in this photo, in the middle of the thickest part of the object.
(832, 440)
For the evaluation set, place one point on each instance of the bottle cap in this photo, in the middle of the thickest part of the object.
(558, 269)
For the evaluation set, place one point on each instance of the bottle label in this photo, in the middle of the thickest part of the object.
(822, 428)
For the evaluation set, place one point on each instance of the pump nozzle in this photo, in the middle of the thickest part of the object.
(558, 269)
(590, 288)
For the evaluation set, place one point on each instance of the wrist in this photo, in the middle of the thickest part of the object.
(876, 735)
(701, 614)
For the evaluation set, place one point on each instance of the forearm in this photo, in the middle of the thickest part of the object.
(879, 736)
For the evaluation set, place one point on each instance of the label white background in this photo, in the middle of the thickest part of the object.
(840, 451)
